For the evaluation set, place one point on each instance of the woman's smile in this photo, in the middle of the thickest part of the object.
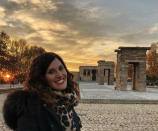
(60, 80)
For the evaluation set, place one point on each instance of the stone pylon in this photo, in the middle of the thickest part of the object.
(105, 67)
(137, 57)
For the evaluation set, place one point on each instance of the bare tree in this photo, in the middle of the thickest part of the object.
(152, 60)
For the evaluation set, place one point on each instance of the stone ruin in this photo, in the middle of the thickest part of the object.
(137, 57)
(88, 73)
(105, 68)
(104, 72)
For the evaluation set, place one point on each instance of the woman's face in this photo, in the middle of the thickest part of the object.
(56, 75)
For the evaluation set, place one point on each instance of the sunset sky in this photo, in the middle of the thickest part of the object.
(81, 31)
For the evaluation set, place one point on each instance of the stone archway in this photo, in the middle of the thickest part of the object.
(137, 57)
(102, 66)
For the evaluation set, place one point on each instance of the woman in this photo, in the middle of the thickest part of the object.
(47, 101)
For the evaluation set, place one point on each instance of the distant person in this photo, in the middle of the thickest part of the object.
(47, 100)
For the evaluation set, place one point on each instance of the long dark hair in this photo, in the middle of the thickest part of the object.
(36, 80)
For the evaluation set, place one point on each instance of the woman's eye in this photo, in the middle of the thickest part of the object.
(61, 68)
(51, 71)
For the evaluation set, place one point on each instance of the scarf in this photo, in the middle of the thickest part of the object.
(64, 109)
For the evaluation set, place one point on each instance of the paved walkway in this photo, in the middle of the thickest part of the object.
(93, 91)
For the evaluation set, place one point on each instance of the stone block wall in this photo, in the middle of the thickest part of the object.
(86, 73)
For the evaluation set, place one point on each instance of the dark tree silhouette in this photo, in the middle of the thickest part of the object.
(16, 56)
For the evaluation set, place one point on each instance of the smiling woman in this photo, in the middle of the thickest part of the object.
(47, 101)
(56, 75)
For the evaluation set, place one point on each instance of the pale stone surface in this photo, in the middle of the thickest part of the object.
(91, 90)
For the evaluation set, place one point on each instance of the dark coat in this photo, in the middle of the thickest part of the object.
(25, 111)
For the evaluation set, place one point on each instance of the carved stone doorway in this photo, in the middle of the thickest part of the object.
(137, 57)
(135, 66)
(107, 76)
(102, 67)
(93, 75)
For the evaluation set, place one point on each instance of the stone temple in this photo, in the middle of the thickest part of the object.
(104, 72)
(137, 57)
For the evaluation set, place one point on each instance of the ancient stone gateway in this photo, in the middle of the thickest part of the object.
(105, 68)
(137, 57)
(104, 72)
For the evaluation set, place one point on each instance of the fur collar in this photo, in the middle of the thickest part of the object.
(17, 103)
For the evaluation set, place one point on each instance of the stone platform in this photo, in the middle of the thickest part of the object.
(91, 92)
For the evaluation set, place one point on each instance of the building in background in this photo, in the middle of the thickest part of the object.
(104, 72)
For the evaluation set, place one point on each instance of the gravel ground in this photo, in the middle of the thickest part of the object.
(118, 117)
(111, 117)
(2, 125)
